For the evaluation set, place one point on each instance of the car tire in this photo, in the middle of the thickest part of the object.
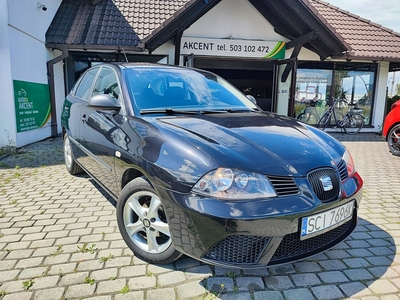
(72, 167)
(393, 141)
(140, 214)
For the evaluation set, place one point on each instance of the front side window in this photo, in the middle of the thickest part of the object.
(85, 84)
(107, 83)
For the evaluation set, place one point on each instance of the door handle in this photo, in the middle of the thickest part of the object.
(84, 118)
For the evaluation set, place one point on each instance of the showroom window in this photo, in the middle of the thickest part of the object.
(317, 83)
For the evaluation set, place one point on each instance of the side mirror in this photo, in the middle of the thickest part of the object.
(252, 99)
(104, 102)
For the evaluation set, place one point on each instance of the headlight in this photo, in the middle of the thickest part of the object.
(234, 184)
(351, 169)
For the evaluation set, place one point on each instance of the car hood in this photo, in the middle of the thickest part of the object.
(261, 142)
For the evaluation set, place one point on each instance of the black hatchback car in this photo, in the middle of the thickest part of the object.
(197, 168)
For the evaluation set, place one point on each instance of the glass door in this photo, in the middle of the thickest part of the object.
(285, 75)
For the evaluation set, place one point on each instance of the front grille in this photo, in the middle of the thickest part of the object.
(292, 248)
(342, 168)
(315, 179)
(284, 186)
(240, 249)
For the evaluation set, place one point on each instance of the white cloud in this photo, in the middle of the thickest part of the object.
(385, 13)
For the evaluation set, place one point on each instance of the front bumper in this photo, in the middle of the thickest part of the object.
(257, 233)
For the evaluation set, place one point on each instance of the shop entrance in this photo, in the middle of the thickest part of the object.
(252, 77)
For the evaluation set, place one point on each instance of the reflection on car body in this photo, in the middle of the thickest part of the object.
(197, 168)
(391, 128)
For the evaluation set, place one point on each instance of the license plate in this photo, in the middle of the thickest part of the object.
(315, 224)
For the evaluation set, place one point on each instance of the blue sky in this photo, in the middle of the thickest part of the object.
(384, 12)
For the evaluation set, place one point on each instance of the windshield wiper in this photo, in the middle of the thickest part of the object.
(171, 111)
(168, 111)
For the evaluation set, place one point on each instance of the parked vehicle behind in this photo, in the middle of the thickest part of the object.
(391, 128)
(197, 168)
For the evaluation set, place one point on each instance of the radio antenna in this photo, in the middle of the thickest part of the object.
(126, 58)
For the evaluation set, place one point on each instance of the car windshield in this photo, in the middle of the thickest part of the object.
(178, 89)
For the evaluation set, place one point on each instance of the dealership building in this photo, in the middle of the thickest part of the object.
(288, 54)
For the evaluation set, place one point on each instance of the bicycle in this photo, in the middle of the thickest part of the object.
(310, 114)
(352, 121)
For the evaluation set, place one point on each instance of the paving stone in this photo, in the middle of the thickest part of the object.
(355, 289)
(32, 272)
(143, 282)
(73, 278)
(18, 245)
(303, 280)
(45, 282)
(379, 261)
(220, 284)
(295, 294)
(221, 271)
(8, 275)
(62, 269)
(279, 283)
(19, 296)
(79, 291)
(90, 265)
(29, 262)
(358, 274)
(138, 295)
(198, 272)
(161, 294)
(333, 264)
(107, 274)
(383, 272)
(132, 271)
(307, 267)
(249, 283)
(268, 295)
(356, 262)
(382, 286)
(111, 286)
(327, 292)
(193, 289)
(158, 269)
(171, 278)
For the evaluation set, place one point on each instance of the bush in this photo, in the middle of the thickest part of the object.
(390, 101)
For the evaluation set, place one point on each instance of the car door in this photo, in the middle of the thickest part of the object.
(75, 101)
(98, 129)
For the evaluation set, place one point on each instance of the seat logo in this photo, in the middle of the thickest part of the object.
(326, 183)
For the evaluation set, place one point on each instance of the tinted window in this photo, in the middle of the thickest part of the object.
(107, 83)
(184, 88)
(83, 90)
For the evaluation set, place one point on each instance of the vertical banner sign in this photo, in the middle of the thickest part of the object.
(32, 105)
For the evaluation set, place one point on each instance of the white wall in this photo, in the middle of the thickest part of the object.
(25, 30)
(25, 16)
(7, 112)
(380, 96)
(233, 18)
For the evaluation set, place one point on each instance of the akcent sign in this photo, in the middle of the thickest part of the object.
(233, 48)
(32, 105)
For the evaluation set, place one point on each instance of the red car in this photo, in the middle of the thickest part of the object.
(391, 128)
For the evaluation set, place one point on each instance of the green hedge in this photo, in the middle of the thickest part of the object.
(390, 101)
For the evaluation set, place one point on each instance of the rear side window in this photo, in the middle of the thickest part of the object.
(83, 90)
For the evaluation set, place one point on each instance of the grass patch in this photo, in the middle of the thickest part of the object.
(106, 258)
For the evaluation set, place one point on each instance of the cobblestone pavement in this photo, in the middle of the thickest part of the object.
(59, 240)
